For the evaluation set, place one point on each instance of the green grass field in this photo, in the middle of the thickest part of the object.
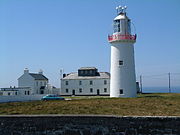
(144, 105)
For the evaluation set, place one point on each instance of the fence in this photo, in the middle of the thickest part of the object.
(166, 83)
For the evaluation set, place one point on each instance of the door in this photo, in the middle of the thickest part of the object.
(42, 92)
(98, 92)
(73, 92)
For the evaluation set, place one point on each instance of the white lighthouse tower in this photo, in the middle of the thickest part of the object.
(123, 80)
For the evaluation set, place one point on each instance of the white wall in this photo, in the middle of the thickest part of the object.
(74, 85)
(27, 81)
(7, 93)
(38, 84)
(20, 98)
(122, 76)
(55, 91)
(16, 91)
(22, 91)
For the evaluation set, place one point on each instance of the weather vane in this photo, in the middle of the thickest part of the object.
(121, 9)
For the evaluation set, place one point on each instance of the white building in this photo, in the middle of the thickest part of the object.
(123, 79)
(36, 81)
(12, 91)
(87, 81)
(30, 84)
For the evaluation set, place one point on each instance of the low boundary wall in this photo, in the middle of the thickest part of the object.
(19, 98)
(88, 125)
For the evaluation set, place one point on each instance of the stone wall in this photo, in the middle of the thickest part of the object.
(88, 125)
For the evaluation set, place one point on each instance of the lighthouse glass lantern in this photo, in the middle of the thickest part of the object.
(123, 80)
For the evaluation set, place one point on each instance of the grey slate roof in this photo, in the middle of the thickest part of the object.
(102, 75)
(38, 76)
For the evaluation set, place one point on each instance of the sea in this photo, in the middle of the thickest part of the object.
(160, 90)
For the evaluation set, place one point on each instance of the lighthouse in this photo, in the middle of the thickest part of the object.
(123, 79)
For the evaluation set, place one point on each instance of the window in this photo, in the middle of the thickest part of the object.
(91, 90)
(40, 83)
(25, 92)
(120, 62)
(9, 93)
(67, 90)
(83, 72)
(129, 27)
(121, 91)
(105, 89)
(15, 93)
(91, 82)
(88, 72)
(80, 90)
(117, 26)
(80, 82)
(66, 82)
(44, 83)
(105, 82)
(28, 92)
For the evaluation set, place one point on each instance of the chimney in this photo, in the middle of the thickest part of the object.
(41, 71)
(64, 75)
(26, 71)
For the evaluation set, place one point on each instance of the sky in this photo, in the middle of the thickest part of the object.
(69, 34)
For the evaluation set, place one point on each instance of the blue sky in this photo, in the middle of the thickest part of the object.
(69, 34)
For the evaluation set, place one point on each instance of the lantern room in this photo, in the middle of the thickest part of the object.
(121, 27)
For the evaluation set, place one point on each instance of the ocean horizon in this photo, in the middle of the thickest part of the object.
(160, 89)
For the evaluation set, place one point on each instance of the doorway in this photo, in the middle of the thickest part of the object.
(42, 92)
(98, 93)
(73, 92)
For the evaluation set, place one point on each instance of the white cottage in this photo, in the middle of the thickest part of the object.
(36, 81)
(14, 91)
(86, 82)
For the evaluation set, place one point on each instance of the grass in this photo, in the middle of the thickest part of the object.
(144, 105)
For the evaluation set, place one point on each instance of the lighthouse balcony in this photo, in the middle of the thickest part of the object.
(122, 38)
